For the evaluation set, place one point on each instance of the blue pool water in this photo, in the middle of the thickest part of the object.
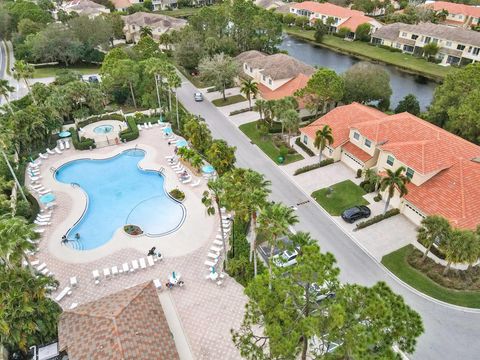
(103, 129)
(119, 193)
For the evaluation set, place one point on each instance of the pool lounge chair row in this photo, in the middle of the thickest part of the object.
(179, 169)
(61, 146)
(126, 268)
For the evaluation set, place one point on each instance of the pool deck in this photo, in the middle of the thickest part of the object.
(205, 311)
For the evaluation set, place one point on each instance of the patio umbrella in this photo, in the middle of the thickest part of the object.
(167, 130)
(64, 134)
(173, 275)
(212, 270)
(45, 199)
(182, 143)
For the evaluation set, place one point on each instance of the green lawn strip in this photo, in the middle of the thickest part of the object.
(345, 194)
(49, 71)
(266, 145)
(229, 100)
(403, 61)
(397, 263)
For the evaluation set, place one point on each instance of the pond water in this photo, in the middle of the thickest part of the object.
(402, 83)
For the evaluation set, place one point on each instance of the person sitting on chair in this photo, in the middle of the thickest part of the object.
(151, 251)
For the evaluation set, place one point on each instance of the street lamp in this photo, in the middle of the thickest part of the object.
(233, 235)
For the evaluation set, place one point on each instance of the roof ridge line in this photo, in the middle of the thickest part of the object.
(462, 189)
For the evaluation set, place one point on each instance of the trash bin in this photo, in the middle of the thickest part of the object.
(280, 159)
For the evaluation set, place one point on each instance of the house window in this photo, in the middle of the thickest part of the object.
(427, 40)
(390, 160)
(410, 173)
(305, 139)
(476, 51)
(356, 135)
(404, 34)
(270, 81)
(407, 48)
(449, 44)
(263, 77)
(368, 143)
(414, 37)
(460, 47)
(245, 66)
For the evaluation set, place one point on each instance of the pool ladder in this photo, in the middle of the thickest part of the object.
(161, 171)
(53, 169)
(74, 184)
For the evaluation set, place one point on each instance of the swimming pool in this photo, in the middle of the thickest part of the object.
(119, 193)
(103, 129)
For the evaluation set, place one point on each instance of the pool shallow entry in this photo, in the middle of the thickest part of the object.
(119, 193)
(103, 129)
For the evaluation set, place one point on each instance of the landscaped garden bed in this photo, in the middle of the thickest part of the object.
(339, 197)
(229, 100)
(271, 144)
(133, 230)
(177, 194)
(428, 278)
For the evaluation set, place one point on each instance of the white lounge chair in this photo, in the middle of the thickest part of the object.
(96, 276)
(42, 223)
(73, 306)
(210, 263)
(125, 268)
(67, 144)
(143, 265)
(150, 125)
(43, 156)
(217, 242)
(73, 281)
(44, 191)
(134, 265)
(50, 151)
(45, 271)
(215, 248)
(39, 231)
(219, 237)
(50, 205)
(106, 273)
(196, 183)
(61, 145)
(34, 262)
(43, 219)
(179, 171)
(62, 294)
(139, 127)
(170, 156)
(57, 150)
(157, 283)
(34, 178)
(41, 266)
(38, 186)
(212, 255)
(150, 260)
(114, 270)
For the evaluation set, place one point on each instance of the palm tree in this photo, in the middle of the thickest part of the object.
(275, 220)
(196, 161)
(462, 246)
(291, 122)
(247, 191)
(24, 71)
(323, 137)
(394, 180)
(260, 107)
(165, 39)
(434, 229)
(174, 82)
(156, 67)
(212, 199)
(16, 236)
(146, 31)
(249, 88)
(5, 90)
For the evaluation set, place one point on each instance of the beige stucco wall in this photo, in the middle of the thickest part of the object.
(361, 142)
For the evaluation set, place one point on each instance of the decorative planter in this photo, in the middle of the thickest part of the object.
(177, 195)
(133, 230)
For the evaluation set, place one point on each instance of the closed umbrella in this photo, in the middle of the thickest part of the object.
(45, 199)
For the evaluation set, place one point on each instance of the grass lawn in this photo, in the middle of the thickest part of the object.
(229, 100)
(345, 195)
(266, 144)
(403, 61)
(396, 262)
(49, 71)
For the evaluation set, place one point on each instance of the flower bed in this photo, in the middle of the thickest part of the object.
(133, 230)
(177, 194)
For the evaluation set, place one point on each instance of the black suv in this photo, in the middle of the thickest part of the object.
(354, 213)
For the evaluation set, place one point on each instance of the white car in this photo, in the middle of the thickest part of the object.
(286, 258)
(198, 96)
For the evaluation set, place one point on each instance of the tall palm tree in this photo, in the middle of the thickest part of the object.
(275, 220)
(16, 236)
(156, 68)
(433, 229)
(249, 88)
(394, 180)
(5, 90)
(146, 31)
(323, 137)
(174, 82)
(260, 107)
(212, 199)
(165, 39)
(291, 122)
(460, 247)
(246, 192)
(24, 71)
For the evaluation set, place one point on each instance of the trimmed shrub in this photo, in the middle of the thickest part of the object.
(377, 198)
(211, 89)
(359, 173)
(131, 133)
(313, 166)
(81, 143)
(241, 111)
(93, 119)
(304, 147)
(177, 194)
(378, 218)
(367, 186)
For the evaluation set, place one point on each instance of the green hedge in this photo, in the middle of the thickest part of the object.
(132, 132)
(304, 147)
(81, 143)
(236, 112)
(313, 166)
(93, 119)
(378, 218)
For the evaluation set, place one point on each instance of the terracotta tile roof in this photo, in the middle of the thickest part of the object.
(424, 147)
(287, 89)
(280, 66)
(326, 9)
(354, 21)
(454, 8)
(453, 193)
(357, 152)
(154, 21)
(341, 119)
(129, 324)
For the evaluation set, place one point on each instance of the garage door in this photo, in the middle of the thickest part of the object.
(412, 213)
(351, 161)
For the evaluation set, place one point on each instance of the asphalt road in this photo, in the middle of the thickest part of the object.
(450, 333)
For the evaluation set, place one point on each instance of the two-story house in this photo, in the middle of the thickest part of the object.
(84, 8)
(457, 46)
(334, 16)
(277, 75)
(159, 24)
(443, 168)
(460, 15)
(123, 5)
